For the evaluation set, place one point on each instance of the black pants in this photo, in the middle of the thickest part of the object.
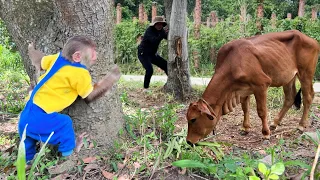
(147, 60)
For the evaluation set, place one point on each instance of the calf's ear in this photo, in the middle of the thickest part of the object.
(204, 109)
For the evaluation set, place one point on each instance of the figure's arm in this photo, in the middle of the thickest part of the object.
(35, 56)
(152, 37)
(104, 85)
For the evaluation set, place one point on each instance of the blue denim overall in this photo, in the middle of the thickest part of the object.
(41, 124)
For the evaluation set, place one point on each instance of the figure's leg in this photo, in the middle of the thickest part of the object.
(30, 145)
(245, 104)
(161, 63)
(146, 63)
(290, 93)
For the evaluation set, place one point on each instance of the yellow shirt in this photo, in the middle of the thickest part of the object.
(62, 89)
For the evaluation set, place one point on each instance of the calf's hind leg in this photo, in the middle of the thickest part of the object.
(308, 93)
(289, 96)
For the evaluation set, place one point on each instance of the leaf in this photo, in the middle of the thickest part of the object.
(88, 160)
(262, 168)
(254, 178)
(297, 163)
(107, 174)
(21, 161)
(208, 144)
(277, 168)
(273, 176)
(189, 164)
(37, 160)
(231, 166)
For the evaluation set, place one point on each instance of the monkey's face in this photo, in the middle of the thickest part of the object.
(88, 57)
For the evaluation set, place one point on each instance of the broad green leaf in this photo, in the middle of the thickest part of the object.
(189, 164)
(277, 168)
(273, 176)
(21, 160)
(231, 166)
(254, 178)
(262, 168)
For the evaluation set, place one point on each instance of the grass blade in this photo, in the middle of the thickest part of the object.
(189, 164)
(36, 161)
(21, 161)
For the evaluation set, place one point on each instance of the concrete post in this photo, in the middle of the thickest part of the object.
(154, 10)
(119, 13)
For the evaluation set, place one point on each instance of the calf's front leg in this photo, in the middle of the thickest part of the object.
(261, 101)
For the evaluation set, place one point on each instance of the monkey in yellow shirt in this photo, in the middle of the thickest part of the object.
(66, 78)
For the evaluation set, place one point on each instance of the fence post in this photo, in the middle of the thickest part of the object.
(213, 15)
(301, 8)
(314, 13)
(243, 18)
(197, 24)
(154, 10)
(289, 16)
(273, 20)
(119, 13)
(259, 15)
(141, 15)
(208, 21)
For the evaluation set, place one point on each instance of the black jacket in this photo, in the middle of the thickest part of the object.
(151, 40)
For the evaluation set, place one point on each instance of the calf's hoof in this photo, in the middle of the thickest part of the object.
(273, 127)
(244, 132)
(301, 128)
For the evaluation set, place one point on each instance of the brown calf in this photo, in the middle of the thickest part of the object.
(249, 66)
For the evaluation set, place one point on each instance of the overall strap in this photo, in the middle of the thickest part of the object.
(58, 64)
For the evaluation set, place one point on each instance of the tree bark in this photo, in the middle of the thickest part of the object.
(49, 24)
(178, 64)
(168, 8)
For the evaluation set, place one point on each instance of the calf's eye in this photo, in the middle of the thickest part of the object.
(193, 120)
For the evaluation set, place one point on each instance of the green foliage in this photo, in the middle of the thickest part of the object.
(126, 34)
(5, 38)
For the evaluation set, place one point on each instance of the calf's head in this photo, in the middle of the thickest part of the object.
(201, 121)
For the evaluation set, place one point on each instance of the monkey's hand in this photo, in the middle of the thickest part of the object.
(104, 85)
(35, 56)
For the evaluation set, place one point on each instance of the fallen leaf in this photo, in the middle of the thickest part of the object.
(183, 171)
(123, 177)
(91, 166)
(120, 165)
(136, 165)
(107, 174)
(61, 176)
(89, 160)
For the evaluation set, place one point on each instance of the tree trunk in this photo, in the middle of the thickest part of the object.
(301, 8)
(49, 24)
(168, 8)
(178, 64)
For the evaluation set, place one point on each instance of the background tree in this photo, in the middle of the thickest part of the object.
(49, 24)
(178, 64)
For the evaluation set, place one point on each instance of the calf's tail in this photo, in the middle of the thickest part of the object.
(297, 99)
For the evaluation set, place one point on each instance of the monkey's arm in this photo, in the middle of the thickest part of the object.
(35, 56)
(104, 85)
